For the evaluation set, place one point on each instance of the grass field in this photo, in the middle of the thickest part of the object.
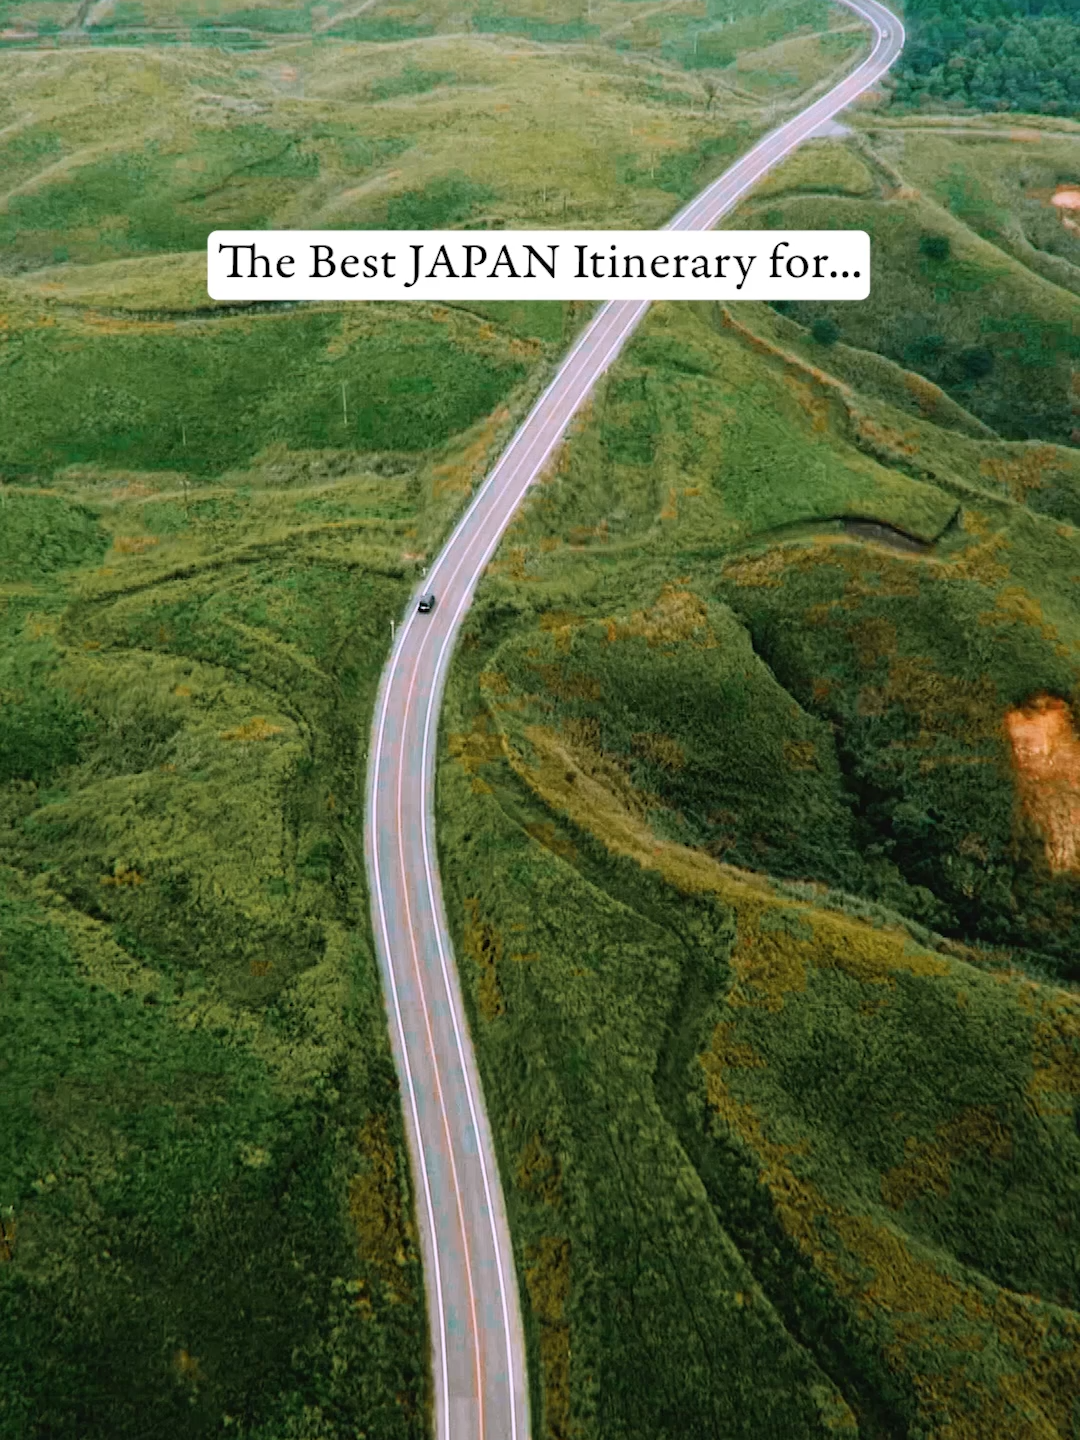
(361, 125)
(769, 953)
(771, 965)
(144, 394)
(205, 1194)
(205, 1197)
(976, 280)
(208, 517)
(997, 179)
(772, 48)
(367, 136)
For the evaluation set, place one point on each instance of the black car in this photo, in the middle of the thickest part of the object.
(427, 602)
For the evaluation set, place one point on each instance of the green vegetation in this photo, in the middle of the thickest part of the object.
(204, 1193)
(181, 1249)
(915, 703)
(148, 394)
(343, 135)
(935, 247)
(769, 963)
(769, 955)
(204, 1185)
(619, 689)
(999, 180)
(208, 516)
(768, 50)
(204, 1190)
(976, 278)
(992, 55)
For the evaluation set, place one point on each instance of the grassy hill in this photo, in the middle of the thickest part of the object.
(205, 1197)
(208, 517)
(204, 1182)
(976, 281)
(770, 953)
(365, 128)
(769, 947)
(775, 47)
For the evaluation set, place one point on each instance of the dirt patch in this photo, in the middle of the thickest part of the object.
(1066, 200)
(1046, 751)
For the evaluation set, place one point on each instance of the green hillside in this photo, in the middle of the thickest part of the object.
(361, 124)
(205, 1200)
(976, 280)
(771, 963)
(203, 1175)
(770, 949)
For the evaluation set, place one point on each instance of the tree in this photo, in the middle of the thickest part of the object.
(925, 350)
(976, 361)
(825, 331)
(992, 55)
(935, 247)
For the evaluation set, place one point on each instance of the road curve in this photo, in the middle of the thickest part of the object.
(478, 1351)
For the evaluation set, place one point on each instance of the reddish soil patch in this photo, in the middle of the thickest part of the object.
(1066, 200)
(1046, 751)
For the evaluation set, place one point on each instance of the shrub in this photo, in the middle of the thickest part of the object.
(976, 361)
(39, 735)
(925, 349)
(935, 247)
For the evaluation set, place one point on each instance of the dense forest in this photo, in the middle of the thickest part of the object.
(993, 55)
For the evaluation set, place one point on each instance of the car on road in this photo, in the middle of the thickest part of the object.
(427, 602)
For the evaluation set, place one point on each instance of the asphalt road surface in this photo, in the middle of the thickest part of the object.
(478, 1351)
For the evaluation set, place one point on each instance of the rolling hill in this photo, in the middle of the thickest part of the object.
(756, 804)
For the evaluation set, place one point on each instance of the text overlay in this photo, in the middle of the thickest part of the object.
(538, 265)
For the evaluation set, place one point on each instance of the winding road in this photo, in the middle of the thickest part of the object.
(478, 1350)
